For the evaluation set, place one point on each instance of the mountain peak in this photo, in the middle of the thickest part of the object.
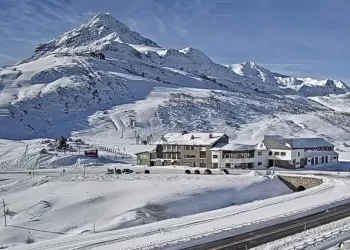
(105, 21)
(250, 68)
(94, 35)
(249, 63)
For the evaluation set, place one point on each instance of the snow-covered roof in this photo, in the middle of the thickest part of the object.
(147, 151)
(308, 142)
(233, 147)
(186, 139)
(279, 142)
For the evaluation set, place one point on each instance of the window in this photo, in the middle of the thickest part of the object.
(259, 163)
(215, 165)
(298, 154)
(215, 156)
(192, 147)
(202, 154)
(259, 153)
(143, 157)
(174, 148)
(227, 165)
(202, 165)
(239, 154)
(187, 147)
(270, 153)
(190, 156)
(203, 149)
(283, 153)
(277, 153)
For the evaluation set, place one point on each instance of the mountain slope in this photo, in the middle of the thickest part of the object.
(140, 87)
(302, 86)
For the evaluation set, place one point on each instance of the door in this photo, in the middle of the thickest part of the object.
(312, 161)
(326, 159)
(270, 163)
(316, 160)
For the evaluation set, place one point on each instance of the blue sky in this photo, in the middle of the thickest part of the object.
(299, 37)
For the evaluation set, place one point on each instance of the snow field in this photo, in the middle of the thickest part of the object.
(214, 224)
(72, 204)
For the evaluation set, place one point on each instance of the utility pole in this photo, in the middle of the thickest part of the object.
(4, 206)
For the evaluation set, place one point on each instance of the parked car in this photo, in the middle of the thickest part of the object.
(127, 171)
(187, 171)
(110, 171)
(118, 171)
(147, 171)
(224, 171)
(197, 171)
(207, 171)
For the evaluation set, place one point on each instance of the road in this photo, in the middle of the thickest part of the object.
(272, 233)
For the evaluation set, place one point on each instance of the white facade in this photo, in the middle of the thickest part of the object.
(241, 156)
(223, 157)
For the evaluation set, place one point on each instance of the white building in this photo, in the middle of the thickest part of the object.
(233, 155)
(298, 152)
(276, 151)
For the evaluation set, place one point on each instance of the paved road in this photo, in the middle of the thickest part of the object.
(272, 233)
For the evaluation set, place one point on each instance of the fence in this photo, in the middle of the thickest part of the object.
(111, 150)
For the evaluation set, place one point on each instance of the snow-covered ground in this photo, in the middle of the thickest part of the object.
(71, 204)
(185, 192)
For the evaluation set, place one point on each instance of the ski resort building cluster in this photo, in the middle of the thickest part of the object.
(213, 150)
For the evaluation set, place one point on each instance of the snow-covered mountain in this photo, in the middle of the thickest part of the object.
(303, 86)
(138, 86)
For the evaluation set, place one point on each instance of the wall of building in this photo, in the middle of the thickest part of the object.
(258, 158)
(143, 159)
(287, 160)
(197, 161)
(261, 158)
(331, 158)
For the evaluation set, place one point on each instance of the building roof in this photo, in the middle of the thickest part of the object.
(186, 139)
(279, 142)
(148, 151)
(233, 147)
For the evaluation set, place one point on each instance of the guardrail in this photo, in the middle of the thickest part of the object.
(320, 239)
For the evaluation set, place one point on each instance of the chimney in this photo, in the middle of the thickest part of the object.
(192, 137)
(184, 132)
(210, 135)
